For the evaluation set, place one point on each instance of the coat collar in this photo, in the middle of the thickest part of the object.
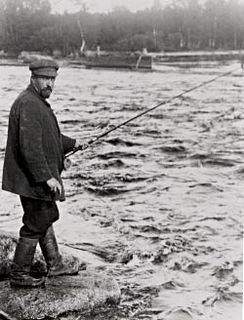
(32, 89)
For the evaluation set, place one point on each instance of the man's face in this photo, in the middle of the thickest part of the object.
(44, 85)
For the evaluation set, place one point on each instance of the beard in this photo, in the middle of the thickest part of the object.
(46, 92)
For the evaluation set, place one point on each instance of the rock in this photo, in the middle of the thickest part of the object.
(179, 315)
(176, 314)
(7, 247)
(61, 295)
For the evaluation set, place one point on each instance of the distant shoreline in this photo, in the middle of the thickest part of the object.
(158, 57)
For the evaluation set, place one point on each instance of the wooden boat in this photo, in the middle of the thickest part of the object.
(125, 61)
(105, 59)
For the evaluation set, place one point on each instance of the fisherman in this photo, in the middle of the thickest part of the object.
(33, 163)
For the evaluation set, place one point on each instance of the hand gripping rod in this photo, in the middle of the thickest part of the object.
(91, 141)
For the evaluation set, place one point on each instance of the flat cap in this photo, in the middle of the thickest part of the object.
(44, 67)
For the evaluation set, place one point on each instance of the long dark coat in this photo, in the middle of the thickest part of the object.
(35, 148)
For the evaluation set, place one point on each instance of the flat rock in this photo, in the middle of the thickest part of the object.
(64, 295)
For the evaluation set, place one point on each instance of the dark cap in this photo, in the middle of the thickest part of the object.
(44, 67)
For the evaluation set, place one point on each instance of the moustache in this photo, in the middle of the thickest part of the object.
(48, 88)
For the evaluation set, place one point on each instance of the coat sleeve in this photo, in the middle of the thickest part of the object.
(68, 143)
(30, 141)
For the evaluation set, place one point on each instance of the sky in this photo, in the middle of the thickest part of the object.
(102, 5)
(59, 6)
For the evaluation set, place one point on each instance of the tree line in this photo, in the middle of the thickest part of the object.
(30, 25)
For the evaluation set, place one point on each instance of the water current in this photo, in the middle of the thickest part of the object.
(158, 203)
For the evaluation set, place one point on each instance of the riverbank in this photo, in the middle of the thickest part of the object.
(198, 56)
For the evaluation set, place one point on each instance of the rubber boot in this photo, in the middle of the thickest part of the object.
(53, 258)
(20, 270)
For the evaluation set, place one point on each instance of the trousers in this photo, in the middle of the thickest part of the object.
(38, 216)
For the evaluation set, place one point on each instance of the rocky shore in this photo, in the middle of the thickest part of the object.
(61, 296)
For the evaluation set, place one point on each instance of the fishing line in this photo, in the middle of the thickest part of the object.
(91, 141)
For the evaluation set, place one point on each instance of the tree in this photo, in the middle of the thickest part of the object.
(182, 25)
(20, 19)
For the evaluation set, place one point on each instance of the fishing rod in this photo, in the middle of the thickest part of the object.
(91, 141)
(5, 316)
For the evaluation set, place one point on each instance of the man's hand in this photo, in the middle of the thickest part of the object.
(81, 144)
(78, 143)
(54, 185)
(67, 163)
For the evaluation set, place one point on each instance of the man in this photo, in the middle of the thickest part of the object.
(34, 160)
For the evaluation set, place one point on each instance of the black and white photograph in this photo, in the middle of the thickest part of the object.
(121, 159)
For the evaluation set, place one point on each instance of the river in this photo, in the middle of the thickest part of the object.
(158, 203)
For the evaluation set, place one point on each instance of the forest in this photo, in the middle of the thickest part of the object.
(182, 25)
